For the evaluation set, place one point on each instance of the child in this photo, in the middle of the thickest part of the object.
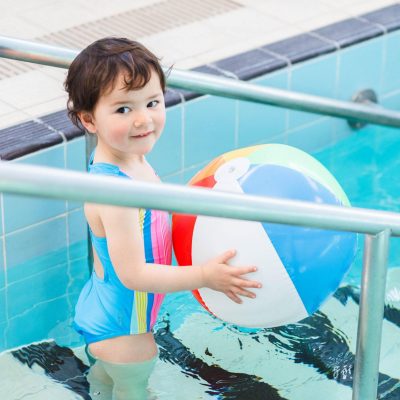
(116, 91)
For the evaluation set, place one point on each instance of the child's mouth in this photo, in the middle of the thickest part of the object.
(142, 135)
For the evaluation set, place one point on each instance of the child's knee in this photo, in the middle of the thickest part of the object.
(131, 379)
(100, 382)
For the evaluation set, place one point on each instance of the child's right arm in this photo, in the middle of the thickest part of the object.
(125, 246)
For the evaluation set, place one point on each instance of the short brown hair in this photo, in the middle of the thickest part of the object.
(95, 69)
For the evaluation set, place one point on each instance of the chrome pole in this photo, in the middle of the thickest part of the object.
(78, 186)
(216, 85)
(372, 302)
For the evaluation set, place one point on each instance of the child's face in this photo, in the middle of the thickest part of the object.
(129, 122)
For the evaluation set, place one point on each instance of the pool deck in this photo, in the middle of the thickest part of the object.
(183, 33)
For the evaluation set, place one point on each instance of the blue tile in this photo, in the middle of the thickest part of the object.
(1, 213)
(33, 249)
(312, 137)
(260, 122)
(77, 226)
(391, 101)
(391, 77)
(361, 67)
(2, 268)
(189, 173)
(79, 272)
(3, 345)
(174, 178)
(166, 157)
(38, 323)
(209, 128)
(76, 161)
(3, 311)
(22, 211)
(47, 285)
(317, 77)
(77, 235)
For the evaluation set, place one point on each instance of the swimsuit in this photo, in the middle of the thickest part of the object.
(106, 308)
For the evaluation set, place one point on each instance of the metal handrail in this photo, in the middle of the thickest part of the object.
(77, 186)
(24, 50)
(378, 225)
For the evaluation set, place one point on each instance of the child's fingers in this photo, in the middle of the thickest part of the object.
(244, 270)
(246, 293)
(245, 283)
(234, 297)
(226, 256)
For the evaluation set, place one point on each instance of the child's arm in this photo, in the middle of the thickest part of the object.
(125, 246)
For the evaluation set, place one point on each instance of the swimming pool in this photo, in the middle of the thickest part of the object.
(201, 356)
(206, 358)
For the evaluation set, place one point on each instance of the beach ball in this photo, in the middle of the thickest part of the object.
(299, 267)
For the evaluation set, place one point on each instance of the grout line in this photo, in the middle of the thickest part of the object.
(5, 272)
(36, 224)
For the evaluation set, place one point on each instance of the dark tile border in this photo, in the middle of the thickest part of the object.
(26, 138)
(388, 17)
(349, 32)
(55, 128)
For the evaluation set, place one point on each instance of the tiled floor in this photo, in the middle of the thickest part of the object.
(186, 33)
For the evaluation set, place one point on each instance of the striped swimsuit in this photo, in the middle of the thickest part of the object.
(106, 308)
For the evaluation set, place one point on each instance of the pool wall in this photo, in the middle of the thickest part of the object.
(43, 243)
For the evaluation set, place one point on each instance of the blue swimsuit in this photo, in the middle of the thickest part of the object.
(106, 308)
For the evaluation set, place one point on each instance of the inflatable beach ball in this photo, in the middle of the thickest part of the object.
(299, 267)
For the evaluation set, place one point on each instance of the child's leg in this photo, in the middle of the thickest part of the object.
(100, 382)
(130, 379)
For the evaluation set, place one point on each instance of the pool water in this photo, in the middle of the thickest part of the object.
(204, 358)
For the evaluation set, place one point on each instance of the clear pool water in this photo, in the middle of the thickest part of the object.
(204, 358)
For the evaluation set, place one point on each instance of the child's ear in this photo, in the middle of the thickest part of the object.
(87, 121)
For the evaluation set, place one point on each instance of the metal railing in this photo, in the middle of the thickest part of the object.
(24, 50)
(378, 226)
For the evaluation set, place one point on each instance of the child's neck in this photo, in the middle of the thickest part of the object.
(133, 165)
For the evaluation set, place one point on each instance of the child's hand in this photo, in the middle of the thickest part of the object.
(218, 275)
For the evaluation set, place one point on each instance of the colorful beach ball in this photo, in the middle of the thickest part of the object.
(299, 267)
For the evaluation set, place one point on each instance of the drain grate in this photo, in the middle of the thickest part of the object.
(135, 24)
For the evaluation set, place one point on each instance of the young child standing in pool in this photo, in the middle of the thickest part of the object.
(116, 91)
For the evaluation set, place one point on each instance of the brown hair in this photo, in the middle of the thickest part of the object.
(95, 69)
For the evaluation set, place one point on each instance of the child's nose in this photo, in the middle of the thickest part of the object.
(141, 118)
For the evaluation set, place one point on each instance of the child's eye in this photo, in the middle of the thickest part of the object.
(123, 110)
(153, 104)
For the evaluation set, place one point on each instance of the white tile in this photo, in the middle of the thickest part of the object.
(47, 107)
(28, 89)
(16, 7)
(367, 6)
(17, 27)
(6, 108)
(323, 20)
(194, 39)
(244, 23)
(13, 118)
(283, 33)
(291, 11)
(58, 74)
(60, 15)
(105, 8)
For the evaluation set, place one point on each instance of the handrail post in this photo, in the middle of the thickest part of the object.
(372, 302)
